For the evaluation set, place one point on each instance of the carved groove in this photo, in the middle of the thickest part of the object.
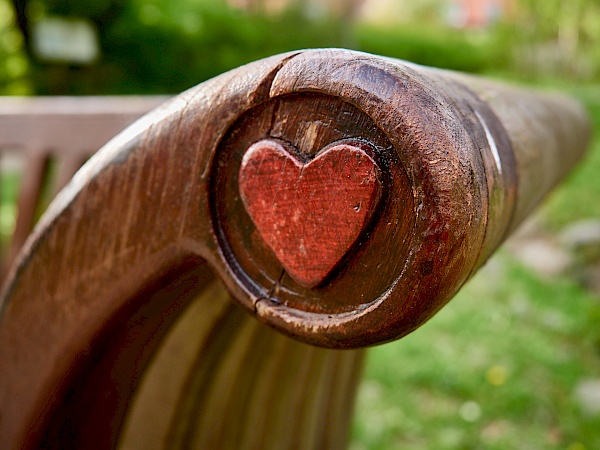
(306, 123)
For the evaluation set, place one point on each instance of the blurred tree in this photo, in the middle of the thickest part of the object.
(556, 37)
(153, 46)
(13, 60)
(149, 46)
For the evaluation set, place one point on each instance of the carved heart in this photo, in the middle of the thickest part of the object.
(309, 214)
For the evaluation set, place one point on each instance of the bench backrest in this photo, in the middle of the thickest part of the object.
(45, 140)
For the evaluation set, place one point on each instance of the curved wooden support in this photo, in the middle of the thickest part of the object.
(240, 385)
(443, 167)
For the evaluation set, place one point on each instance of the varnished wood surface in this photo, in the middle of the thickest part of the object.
(151, 219)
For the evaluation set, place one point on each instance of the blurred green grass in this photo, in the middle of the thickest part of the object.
(579, 196)
(496, 369)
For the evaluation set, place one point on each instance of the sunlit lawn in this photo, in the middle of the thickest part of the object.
(496, 369)
(500, 365)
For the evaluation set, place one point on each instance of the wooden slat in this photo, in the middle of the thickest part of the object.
(154, 407)
(70, 129)
(70, 125)
(237, 385)
(30, 193)
(67, 166)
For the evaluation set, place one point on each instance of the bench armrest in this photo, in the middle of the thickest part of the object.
(342, 198)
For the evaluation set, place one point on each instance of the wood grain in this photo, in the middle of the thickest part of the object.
(236, 386)
(253, 263)
(309, 213)
(34, 176)
(150, 221)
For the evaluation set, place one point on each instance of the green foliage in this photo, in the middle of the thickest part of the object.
(554, 37)
(433, 46)
(13, 63)
(158, 47)
(150, 46)
(96, 10)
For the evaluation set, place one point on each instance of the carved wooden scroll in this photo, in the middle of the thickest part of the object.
(450, 165)
(342, 198)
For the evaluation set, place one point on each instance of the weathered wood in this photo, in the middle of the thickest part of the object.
(150, 220)
(237, 386)
(310, 214)
(460, 163)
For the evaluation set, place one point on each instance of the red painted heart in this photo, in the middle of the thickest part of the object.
(309, 214)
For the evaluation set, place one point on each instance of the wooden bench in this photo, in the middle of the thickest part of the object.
(50, 138)
(339, 198)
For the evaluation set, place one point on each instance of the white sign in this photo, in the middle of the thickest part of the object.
(65, 40)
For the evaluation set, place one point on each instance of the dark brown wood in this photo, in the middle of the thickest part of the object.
(310, 214)
(253, 263)
(108, 282)
(114, 266)
(458, 162)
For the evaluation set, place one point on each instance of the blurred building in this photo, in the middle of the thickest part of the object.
(458, 13)
(476, 13)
